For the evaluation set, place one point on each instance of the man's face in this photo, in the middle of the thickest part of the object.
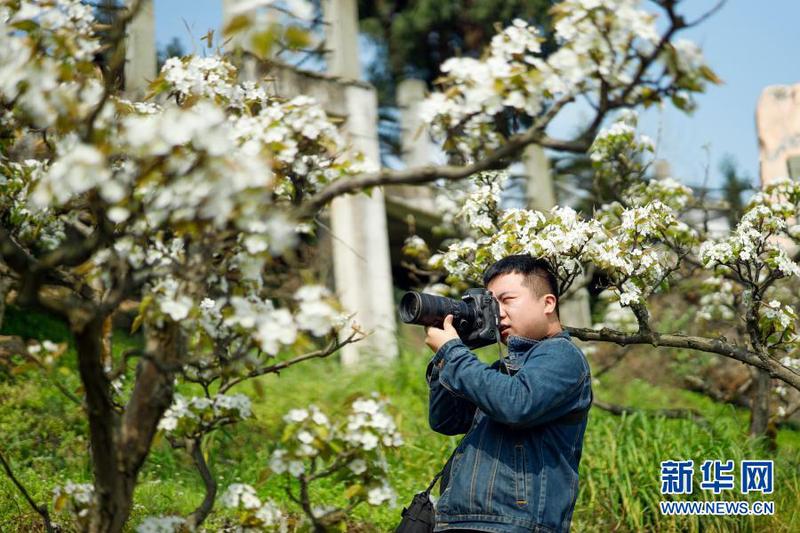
(522, 313)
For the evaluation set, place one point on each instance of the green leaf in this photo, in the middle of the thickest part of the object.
(137, 323)
(237, 24)
(262, 42)
(352, 490)
(710, 75)
(296, 37)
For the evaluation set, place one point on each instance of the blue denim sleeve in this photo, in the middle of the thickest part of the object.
(448, 413)
(548, 386)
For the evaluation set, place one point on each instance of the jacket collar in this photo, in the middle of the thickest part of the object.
(518, 345)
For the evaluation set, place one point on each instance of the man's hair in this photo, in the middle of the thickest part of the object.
(538, 274)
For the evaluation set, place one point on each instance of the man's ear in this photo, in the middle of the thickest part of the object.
(549, 303)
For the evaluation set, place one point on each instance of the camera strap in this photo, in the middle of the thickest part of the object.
(500, 348)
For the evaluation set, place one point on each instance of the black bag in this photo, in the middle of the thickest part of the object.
(418, 517)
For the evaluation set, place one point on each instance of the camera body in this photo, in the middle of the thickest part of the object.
(476, 316)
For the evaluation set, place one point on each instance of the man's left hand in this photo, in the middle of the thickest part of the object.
(436, 337)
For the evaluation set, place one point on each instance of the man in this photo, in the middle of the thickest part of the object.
(517, 469)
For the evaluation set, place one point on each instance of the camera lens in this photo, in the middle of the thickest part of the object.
(410, 307)
(428, 309)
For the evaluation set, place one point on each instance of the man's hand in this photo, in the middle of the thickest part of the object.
(436, 337)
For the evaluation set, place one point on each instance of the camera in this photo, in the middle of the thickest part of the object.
(475, 316)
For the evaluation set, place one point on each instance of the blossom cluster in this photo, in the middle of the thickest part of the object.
(481, 88)
(162, 524)
(36, 226)
(416, 247)
(615, 316)
(717, 301)
(77, 499)
(621, 241)
(778, 323)
(209, 77)
(174, 177)
(560, 236)
(370, 424)
(46, 46)
(273, 327)
(47, 350)
(619, 154)
(251, 512)
(355, 446)
(601, 43)
(189, 416)
(752, 242)
(481, 205)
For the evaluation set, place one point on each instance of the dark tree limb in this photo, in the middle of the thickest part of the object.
(695, 384)
(619, 410)
(495, 160)
(618, 357)
(332, 347)
(199, 515)
(718, 346)
(40, 509)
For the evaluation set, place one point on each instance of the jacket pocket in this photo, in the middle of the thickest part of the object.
(520, 475)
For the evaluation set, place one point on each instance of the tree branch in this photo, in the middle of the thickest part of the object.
(116, 62)
(619, 410)
(718, 346)
(199, 515)
(496, 159)
(328, 350)
(40, 509)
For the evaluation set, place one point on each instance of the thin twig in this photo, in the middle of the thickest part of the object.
(328, 350)
(40, 509)
(199, 515)
(619, 410)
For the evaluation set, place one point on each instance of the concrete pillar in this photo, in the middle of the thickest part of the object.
(417, 147)
(778, 125)
(574, 311)
(228, 10)
(362, 268)
(140, 51)
(248, 65)
(341, 38)
(540, 191)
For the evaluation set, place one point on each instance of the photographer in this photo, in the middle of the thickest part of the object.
(517, 468)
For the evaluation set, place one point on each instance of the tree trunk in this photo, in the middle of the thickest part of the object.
(120, 444)
(759, 406)
(103, 421)
(5, 286)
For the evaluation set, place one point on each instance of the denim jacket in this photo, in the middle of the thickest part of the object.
(517, 469)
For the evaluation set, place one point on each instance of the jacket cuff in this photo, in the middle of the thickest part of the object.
(436, 363)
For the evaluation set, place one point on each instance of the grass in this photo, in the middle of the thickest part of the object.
(45, 438)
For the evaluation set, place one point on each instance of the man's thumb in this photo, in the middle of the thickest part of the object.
(448, 320)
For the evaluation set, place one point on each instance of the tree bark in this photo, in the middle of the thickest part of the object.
(199, 515)
(103, 421)
(759, 405)
(5, 286)
(120, 444)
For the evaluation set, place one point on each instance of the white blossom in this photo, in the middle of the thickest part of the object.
(163, 524)
(239, 495)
